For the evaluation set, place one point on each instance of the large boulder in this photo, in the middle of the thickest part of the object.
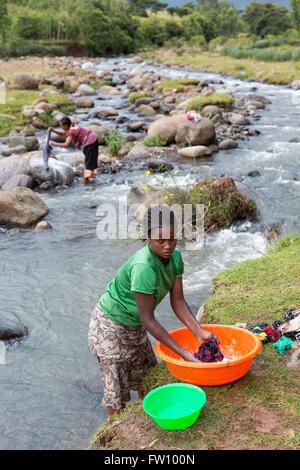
(21, 206)
(59, 173)
(14, 150)
(74, 159)
(200, 133)
(166, 127)
(18, 180)
(30, 143)
(12, 166)
(25, 82)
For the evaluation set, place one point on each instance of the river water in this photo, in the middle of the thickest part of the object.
(50, 385)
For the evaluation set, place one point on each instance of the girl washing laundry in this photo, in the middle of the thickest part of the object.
(125, 313)
(83, 138)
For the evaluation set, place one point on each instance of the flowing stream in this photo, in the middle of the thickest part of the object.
(50, 388)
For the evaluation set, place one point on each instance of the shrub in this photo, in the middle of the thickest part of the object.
(114, 141)
(136, 96)
(155, 141)
(217, 99)
(177, 83)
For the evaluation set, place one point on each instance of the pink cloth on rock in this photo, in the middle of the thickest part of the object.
(82, 137)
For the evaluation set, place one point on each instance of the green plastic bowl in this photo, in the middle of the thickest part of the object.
(175, 406)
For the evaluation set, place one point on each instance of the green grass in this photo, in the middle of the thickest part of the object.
(217, 99)
(177, 83)
(219, 213)
(114, 141)
(260, 410)
(19, 98)
(155, 141)
(136, 96)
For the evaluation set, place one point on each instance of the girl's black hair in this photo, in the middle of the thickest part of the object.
(66, 121)
(158, 217)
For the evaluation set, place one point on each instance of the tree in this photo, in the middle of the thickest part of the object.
(4, 20)
(140, 6)
(295, 6)
(267, 18)
(229, 21)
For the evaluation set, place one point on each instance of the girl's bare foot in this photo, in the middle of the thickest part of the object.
(84, 181)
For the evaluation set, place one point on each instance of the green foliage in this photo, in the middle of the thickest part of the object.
(267, 18)
(114, 141)
(217, 99)
(295, 6)
(261, 54)
(32, 49)
(155, 141)
(177, 83)
(136, 96)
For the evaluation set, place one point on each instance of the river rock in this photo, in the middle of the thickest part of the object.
(228, 144)
(139, 150)
(87, 66)
(30, 143)
(59, 172)
(196, 151)
(47, 107)
(238, 119)
(43, 225)
(21, 206)
(200, 133)
(211, 109)
(109, 90)
(11, 328)
(74, 159)
(23, 81)
(14, 150)
(135, 126)
(166, 127)
(18, 180)
(146, 110)
(83, 102)
(39, 124)
(109, 112)
(85, 90)
(100, 131)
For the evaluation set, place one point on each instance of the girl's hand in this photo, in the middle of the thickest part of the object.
(187, 356)
(51, 143)
(207, 335)
(51, 129)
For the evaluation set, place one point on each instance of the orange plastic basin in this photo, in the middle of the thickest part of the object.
(238, 346)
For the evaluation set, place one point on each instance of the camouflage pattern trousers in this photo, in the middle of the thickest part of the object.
(125, 356)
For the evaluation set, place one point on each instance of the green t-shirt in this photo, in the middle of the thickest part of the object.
(143, 272)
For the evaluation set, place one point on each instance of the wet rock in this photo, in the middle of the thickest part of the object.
(39, 124)
(11, 328)
(109, 112)
(43, 225)
(83, 102)
(59, 172)
(135, 126)
(14, 150)
(211, 109)
(294, 140)
(87, 66)
(146, 110)
(228, 144)
(109, 90)
(30, 143)
(141, 101)
(200, 133)
(86, 90)
(18, 180)
(74, 159)
(21, 206)
(238, 119)
(139, 150)
(195, 151)
(159, 167)
(253, 174)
